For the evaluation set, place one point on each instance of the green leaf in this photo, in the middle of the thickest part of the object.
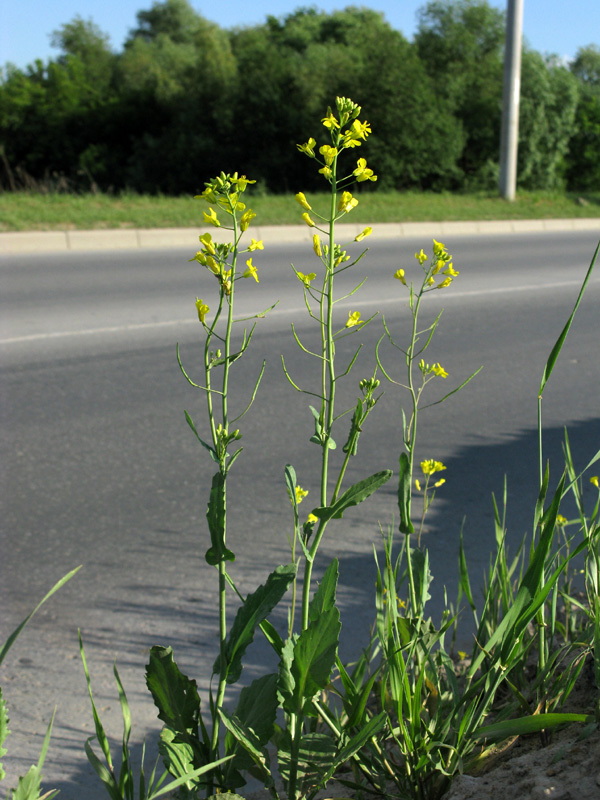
(3, 731)
(256, 710)
(324, 597)
(174, 694)
(211, 450)
(525, 725)
(314, 657)
(251, 613)
(178, 756)
(28, 787)
(316, 752)
(100, 734)
(529, 594)
(102, 771)
(405, 494)
(561, 339)
(190, 776)
(257, 706)
(353, 496)
(250, 742)
(215, 515)
(371, 729)
(11, 639)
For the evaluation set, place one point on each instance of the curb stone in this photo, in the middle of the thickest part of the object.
(21, 242)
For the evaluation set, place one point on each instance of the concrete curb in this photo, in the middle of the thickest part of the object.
(157, 238)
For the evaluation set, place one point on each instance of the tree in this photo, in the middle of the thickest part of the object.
(583, 159)
(547, 115)
(461, 45)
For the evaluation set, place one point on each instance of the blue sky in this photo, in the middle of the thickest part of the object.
(550, 26)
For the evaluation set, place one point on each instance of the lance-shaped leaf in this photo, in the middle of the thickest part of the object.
(561, 339)
(371, 729)
(530, 594)
(315, 754)
(211, 450)
(353, 496)
(251, 743)
(3, 731)
(404, 495)
(11, 639)
(324, 597)
(314, 657)
(256, 710)
(254, 610)
(215, 516)
(174, 694)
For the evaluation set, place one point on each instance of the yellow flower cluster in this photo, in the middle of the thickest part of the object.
(346, 131)
(224, 191)
(429, 467)
(435, 369)
(441, 263)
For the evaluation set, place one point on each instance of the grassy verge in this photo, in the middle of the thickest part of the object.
(22, 211)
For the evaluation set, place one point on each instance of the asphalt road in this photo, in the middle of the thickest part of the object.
(100, 469)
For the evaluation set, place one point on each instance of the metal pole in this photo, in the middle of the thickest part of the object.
(509, 136)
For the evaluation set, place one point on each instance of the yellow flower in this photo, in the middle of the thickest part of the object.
(326, 171)
(256, 245)
(328, 153)
(356, 132)
(347, 202)
(438, 248)
(594, 480)
(421, 257)
(430, 466)
(363, 234)
(208, 243)
(311, 519)
(438, 267)
(317, 246)
(362, 129)
(439, 483)
(247, 217)
(330, 121)
(451, 271)
(308, 220)
(250, 271)
(462, 655)
(354, 319)
(212, 218)
(307, 147)
(439, 370)
(560, 520)
(306, 279)
(203, 309)
(300, 197)
(417, 484)
(213, 265)
(241, 182)
(446, 282)
(430, 281)
(300, 494)
(362, 173)
(399, 275)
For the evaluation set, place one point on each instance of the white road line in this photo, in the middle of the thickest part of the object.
(538, 287)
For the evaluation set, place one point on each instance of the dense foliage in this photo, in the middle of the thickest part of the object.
(185, 97)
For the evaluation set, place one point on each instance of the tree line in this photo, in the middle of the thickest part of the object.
(185, 99)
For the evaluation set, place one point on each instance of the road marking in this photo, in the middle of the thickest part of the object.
(538, 287)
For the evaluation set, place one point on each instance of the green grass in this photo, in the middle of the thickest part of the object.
(22, 211)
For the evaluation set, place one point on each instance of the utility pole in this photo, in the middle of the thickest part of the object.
(509, 136)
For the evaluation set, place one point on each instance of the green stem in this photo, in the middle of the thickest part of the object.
(223, 466)
(328, 390)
